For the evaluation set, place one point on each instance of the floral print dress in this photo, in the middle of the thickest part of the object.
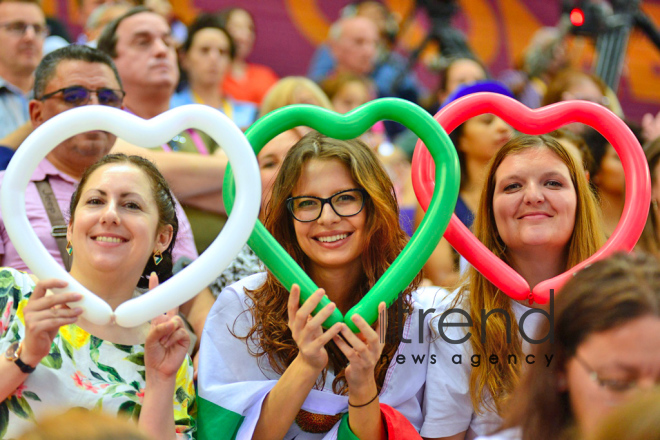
(80, 371)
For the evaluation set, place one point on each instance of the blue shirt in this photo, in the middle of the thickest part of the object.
(13, 107)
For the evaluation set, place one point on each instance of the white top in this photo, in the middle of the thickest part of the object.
(447, 406)
(235, 383)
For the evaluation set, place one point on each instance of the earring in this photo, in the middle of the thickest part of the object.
(655, 204)
(158, 257)
(69, 248)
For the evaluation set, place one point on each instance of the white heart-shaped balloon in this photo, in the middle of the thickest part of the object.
(157, 131)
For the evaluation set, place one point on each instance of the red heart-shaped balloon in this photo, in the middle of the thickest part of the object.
(540, 121)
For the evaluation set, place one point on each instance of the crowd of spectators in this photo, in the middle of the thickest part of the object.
(138, 57)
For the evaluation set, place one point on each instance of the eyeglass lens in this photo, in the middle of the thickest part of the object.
(345, 204)
(81, 96)
(20, 28)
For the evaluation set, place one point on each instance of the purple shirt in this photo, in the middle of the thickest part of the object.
(63, 186)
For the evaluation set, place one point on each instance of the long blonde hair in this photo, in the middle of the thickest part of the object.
(500, 379)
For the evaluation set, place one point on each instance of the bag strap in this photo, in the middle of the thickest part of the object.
(58, 225)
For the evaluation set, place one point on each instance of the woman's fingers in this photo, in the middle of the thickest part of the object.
(321, 316)
(153, 280)
(308, 307)
(43, 285)
(300, 320)
(329, 334)
(294, 301)
(369, 335)
(47, 302)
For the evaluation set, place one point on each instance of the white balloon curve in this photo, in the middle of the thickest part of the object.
(157, 131)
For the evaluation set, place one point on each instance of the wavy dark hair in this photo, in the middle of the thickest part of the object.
(384, 241)
(162, 195)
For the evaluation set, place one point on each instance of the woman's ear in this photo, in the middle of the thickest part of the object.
(69, 230)
(164, 237)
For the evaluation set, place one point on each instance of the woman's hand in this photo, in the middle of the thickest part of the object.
(307, 331)
(167, 343)
(44, 315)
(363, 353)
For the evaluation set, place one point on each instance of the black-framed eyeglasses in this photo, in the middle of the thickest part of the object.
(345, 203)
(79, 95)
(19, 28)
(614, 385)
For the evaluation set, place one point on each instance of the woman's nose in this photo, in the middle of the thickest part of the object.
(533, 194)
(328, 215)
(110, 214)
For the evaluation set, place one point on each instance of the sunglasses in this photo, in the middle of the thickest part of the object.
(78, 95)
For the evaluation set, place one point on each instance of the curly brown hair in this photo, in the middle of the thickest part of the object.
(385, 240)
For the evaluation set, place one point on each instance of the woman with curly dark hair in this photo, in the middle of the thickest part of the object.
(267, 367)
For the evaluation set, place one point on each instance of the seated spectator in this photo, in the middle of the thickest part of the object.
(539, 216)
(245, 81)
(22, 33)
(354, 42)
(121, 233)
(387, 64)
(206, 57)
(605, 350)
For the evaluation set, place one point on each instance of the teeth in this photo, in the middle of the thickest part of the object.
(109, 239)
(332, 238)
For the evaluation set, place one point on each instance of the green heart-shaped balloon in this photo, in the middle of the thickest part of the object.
(349, 126)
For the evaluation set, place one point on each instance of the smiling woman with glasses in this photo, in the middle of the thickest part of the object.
(606, 351)
(334, 210)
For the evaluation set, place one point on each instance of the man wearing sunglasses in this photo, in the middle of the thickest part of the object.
(66, 78)
(22, 33)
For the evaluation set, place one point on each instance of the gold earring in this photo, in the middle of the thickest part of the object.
(655, 204)
(69, 248)
(158, 257)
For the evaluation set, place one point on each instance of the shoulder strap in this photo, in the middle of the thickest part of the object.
(58, 225)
